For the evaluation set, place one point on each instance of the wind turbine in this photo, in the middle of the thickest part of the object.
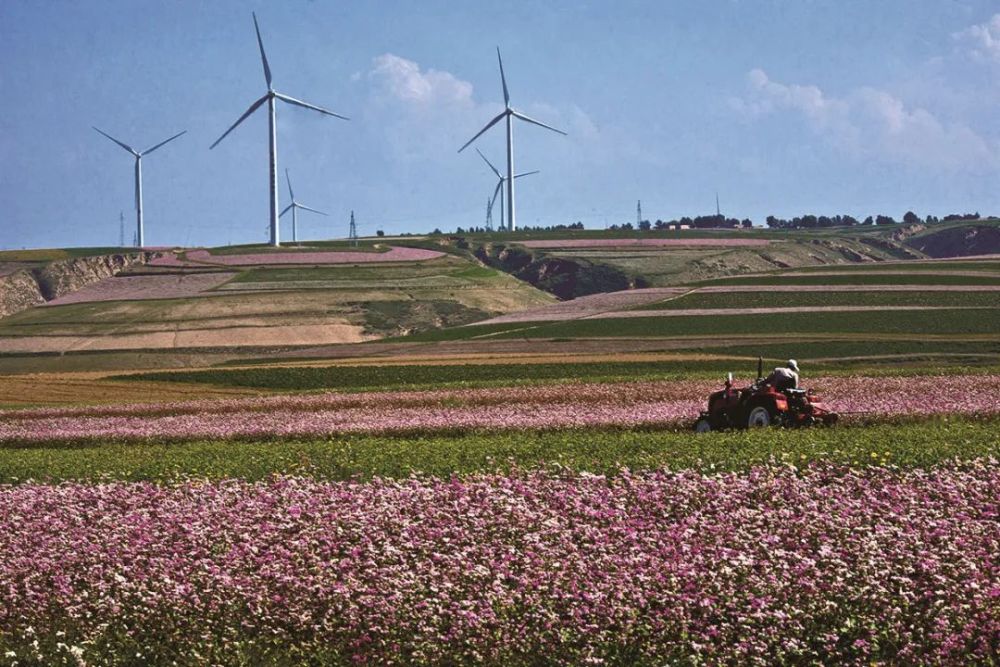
(270, 96)
(138, 179)
(294, 206)
(501, 180)
(509, 114)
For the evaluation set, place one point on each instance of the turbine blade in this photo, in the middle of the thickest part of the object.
(263, 56)
(253, 107)
(520, 115)
(287, 209)
(488, 126)
(526, 173)
(496, 191)
(489, 163)
(503, 79)
(150, 150)
(292, 100)
(125, 146)
(291, 195)
(306, 208)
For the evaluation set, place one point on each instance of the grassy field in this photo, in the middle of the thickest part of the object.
(906, 444)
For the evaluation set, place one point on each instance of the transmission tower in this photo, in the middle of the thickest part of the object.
(489, 215)
(121, 229)
(638, 213)
(352, 236)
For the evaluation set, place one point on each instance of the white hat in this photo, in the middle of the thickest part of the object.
(794, 366)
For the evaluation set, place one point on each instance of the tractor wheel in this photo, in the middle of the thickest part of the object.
(759, 417)
(703, 425)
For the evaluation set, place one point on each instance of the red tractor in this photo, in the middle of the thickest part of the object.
(762, 404)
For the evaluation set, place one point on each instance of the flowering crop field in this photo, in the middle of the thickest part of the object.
(394, 254)
(555, 406)
(770, 566)
(137, 288)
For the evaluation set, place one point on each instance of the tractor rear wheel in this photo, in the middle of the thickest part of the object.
(759, 417)
(703, 425)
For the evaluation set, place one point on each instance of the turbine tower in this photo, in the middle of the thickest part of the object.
(293, 207)
(270, 96)
(498, 191)
(352, 235)
(509, 114)
(139, 240)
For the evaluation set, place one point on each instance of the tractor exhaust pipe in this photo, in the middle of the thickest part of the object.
(760, 368)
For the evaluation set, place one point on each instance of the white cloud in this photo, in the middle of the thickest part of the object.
(872, 124)
(982, 41)
(402, 79)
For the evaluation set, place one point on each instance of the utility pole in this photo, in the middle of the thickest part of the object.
(353, 234)
(638, 213)
(489, 215)
(121, 229)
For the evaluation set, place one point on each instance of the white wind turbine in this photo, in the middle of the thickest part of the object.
(270, 96)
(498, 191)
(139, 239)
(293, 207)
(509, 114)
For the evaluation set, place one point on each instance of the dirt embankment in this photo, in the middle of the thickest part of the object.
(964, 241)
(31, 287)
(565, 278)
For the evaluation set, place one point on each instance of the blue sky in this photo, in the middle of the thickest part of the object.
(784, 107)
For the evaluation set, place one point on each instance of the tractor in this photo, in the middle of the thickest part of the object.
(761, 404)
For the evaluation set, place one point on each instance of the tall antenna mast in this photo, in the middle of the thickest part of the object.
(353, 234)
(121, 229)
(638, 213)
(489, 215)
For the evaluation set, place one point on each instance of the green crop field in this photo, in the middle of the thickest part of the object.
(958, 322)
(905, 444)
(855, 279)
(770, 299)
(979, 265)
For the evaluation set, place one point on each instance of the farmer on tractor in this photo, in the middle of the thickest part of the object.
(784, 377)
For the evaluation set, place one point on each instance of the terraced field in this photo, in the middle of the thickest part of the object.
(183, 308)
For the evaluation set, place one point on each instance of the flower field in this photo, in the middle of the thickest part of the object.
(610, 405)
(394, 254)
(137, 288)
(771, 566)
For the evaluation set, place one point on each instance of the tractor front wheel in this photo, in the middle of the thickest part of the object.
(703, 425)
(759, 417)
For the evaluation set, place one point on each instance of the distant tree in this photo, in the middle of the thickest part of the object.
(849, 220)
(868, 221)
(747, 223)
(644, 225)
(884, 220)
(627, 226)
(379, 232)
(436, 231)
(910, 218)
